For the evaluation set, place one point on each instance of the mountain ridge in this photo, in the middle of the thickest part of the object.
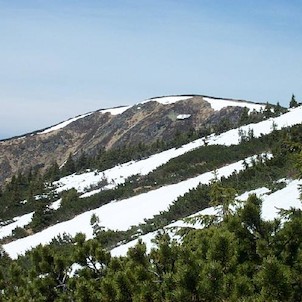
(122, 106)
(224, 199)
(231, 137)
(144, 122)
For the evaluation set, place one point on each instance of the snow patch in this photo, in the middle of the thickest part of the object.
(168, 99)
(115, 111)
(118, 174)
(218, 104)
(260, 192)
(170, 228)
(56, 204)
(183, 116)
(123, 214)
(284, 198)
(19, 221)
(120, 215)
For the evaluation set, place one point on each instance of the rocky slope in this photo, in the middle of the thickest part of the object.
(159, 118)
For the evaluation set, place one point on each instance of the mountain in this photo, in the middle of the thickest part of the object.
(157, 119)
(94, 184)
(210, 214)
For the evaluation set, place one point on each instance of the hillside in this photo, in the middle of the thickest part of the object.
(85, 184)
(157, 119)
(198, 192)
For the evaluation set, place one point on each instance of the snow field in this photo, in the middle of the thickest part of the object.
(218, 104)
(113, 111)
(120, 215)
(120, 173)
(116, 111)
(285, 198)
(167, 99)
(21, 221)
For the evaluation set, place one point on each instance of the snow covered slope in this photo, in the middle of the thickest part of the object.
(120, 215)
(216, 103)
(168, 99)
(158, 119)
(283, 199)
(134, 210)
(118, 174)
(19, 221)
(113, 111)
(64, 124)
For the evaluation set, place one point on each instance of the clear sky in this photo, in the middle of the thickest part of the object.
(61, 58)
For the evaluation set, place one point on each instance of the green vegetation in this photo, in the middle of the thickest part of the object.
(18, 196)
(236, 257)
(293, 103)
(204, 159)
(25, 186)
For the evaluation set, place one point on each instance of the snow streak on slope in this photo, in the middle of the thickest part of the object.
(115, 111)
(174, 226)
(64, 124)
(285, 198)
(20, 221)
(118, 174)
(120, 215)
(149, 237)
(168, 99)
(218, 104)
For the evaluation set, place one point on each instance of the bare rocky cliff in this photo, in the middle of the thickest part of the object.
(145, 122)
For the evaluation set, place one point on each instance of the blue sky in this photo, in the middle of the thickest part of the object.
(61, 58)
